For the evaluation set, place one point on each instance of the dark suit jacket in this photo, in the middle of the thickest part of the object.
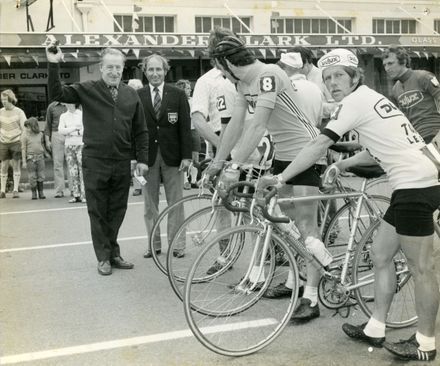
(109, 127)
(172, 131)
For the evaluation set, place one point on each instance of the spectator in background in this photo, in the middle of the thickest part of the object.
(314, 75)
(32, 152)
(415, 92)
(55, 144)
(190, 177)
(137, 188)
(167, 113)
(11, 127)
(114, 123)
(71, 126)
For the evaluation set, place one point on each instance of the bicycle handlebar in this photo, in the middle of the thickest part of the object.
(201, 164)
(267, 197)
(227, 196)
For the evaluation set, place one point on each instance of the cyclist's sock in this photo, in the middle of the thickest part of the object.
(311, 293)
(290, 280)
(425, 343)
(253, 277)
(375, 328)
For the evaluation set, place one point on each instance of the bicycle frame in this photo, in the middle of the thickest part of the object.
(296, 244)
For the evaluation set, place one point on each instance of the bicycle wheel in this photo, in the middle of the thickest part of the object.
(189, 204)
(402, 312)
(338, 231)
(228, 315)
(379, 187)
(195, 232)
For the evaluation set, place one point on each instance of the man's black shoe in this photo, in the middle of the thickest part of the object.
(304, 311)
(247, 285)
(409, 350)
(137, 192)
(178, 253)
(148, 254)
(104, 268)
(280, 291)
(118, 262)
(357, 332)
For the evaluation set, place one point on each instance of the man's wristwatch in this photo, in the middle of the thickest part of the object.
(280, 181)
(235, 166)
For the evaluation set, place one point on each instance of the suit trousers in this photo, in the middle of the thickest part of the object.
(106, 182)
(173, 183)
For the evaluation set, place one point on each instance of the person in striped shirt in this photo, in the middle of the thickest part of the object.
(265, 91)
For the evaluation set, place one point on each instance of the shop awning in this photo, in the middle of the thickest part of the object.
(85, 47)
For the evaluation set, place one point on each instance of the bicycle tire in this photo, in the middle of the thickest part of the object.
(338, 231)
(402, 312)
(192, 236)
(191, 203)
(245, 327)
(379, 186)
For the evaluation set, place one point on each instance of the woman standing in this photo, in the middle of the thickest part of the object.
(71, 126)
(11, 127)
(32, 152)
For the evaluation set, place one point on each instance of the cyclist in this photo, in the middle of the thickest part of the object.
(415, 92)
(266, 91)
(390, 140)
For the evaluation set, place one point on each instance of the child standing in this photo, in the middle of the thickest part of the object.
(71, 126)
(32, 151)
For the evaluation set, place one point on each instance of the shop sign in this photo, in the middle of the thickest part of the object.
(34, 76)
(141, 40)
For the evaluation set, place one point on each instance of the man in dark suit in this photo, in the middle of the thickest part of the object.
(169, 123)
(113, 120)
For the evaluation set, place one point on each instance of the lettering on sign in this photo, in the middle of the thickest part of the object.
(35, 76)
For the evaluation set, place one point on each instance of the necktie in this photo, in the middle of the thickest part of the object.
(114, 92)
(156, 103)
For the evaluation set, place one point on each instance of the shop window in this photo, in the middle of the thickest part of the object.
(148, 24)
(437, 25)
(394, 26)
(309, 26)
(206, 24)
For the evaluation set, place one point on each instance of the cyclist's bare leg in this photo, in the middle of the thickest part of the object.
(385, 246)
(305, 216)
(419, 253)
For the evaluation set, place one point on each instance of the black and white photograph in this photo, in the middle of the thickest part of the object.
(219, 182)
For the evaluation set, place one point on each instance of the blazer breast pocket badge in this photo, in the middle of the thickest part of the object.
(172, 117)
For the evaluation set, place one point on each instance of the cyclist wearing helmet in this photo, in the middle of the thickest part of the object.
(390, 140)
(266, 92)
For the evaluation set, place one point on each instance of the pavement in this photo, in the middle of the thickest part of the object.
(56, 310)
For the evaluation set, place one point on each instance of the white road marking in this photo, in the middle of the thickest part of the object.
(50, 246)
(88, 242)
(81, 207)
(129, 342)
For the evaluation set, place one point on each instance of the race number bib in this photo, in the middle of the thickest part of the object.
(221, 103)
(267, 84)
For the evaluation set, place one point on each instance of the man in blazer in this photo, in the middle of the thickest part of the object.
(169, 154)
(114, 123)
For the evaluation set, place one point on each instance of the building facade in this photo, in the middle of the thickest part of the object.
(179, 30)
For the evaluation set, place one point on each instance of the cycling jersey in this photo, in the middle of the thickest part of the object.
(387, 135)
(268, 86)
(211, 94)
(416, 93)
(308, 98)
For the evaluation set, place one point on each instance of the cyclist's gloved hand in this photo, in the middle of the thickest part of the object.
(269, 181)
(329, 177)
(229, 176)
(214, 168)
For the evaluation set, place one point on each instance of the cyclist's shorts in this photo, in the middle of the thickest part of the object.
(411, 210)
(309, 177)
